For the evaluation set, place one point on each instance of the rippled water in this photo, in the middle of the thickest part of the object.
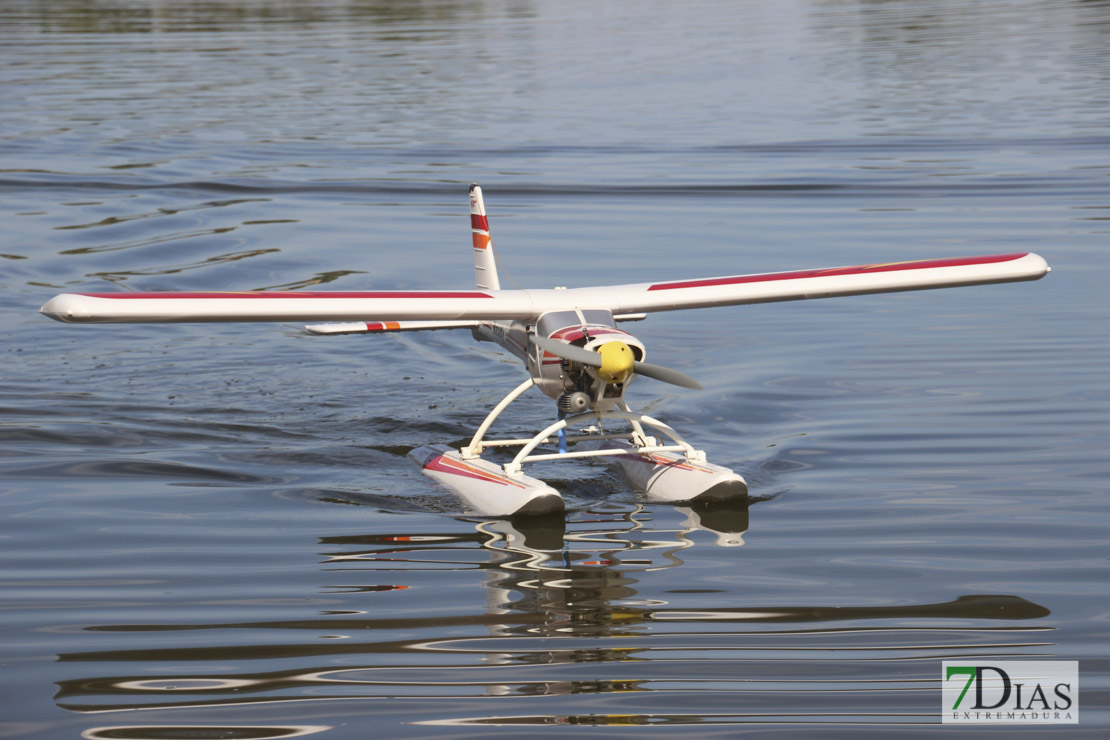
(214, 531)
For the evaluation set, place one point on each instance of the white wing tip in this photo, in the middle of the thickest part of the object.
(67, 307)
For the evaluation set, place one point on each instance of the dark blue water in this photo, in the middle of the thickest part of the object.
(214, 531)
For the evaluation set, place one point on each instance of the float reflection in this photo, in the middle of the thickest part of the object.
(568, 606)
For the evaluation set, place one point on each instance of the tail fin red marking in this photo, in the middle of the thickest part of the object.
(485, 263)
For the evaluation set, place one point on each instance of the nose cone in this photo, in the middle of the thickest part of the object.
(616, 362)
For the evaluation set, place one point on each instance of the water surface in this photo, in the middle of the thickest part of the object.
(215, 530)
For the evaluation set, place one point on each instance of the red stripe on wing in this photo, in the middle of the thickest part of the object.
(296, 294)
(833, 271)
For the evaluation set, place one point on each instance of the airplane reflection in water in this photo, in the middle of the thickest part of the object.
(552, 588)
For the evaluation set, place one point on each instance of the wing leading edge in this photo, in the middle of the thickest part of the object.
(529, 304)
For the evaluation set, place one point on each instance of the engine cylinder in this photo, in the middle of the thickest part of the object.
(573, 403)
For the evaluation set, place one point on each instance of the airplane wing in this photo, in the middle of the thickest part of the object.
(485, 305)
(297, 306)
(829, 282)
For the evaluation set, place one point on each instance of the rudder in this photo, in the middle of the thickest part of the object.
(485, 263)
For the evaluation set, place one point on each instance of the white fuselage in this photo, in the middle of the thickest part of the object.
(554, 376)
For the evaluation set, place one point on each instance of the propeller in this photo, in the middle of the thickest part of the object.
(596, 359)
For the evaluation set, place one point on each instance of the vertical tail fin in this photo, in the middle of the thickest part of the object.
(485, 264)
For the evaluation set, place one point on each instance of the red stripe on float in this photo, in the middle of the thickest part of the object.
(444, 464)
(834, 271)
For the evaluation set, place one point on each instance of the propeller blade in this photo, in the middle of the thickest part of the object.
(589, 357)
(666, 374)
(568, 351)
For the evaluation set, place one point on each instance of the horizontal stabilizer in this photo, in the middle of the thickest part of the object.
(377, 327)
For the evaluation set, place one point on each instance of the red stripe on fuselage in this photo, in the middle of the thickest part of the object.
(571, 334)
(479, 222)
(296, 294)
(574, 333)
(834, 271)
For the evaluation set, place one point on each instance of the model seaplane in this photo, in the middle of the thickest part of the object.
(570, 344)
